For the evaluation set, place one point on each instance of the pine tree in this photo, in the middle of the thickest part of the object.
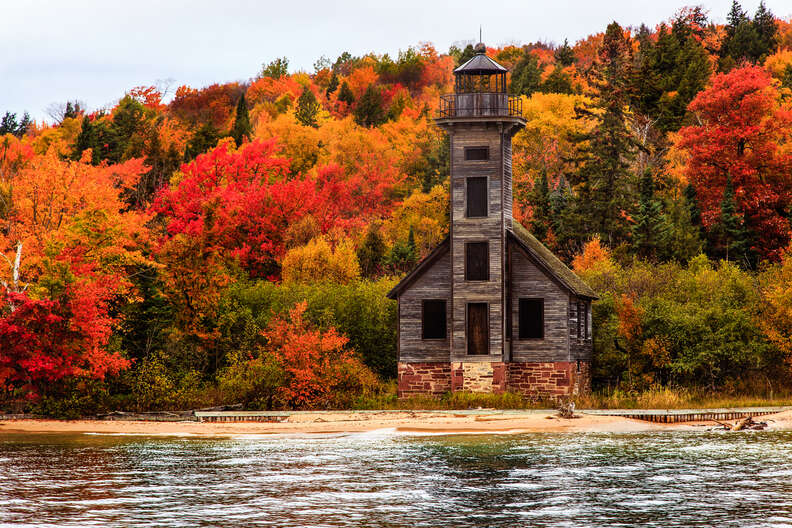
(731, 236)
(526, 77)
(403, 256)
(557, 82)
(345, 94)
(371, 253)
(746, 39)
(541, 217)
(241, 129)
(765, 25)
(564, 55)
(332, 86)
(603, 181)
(370, 110)
(307, 108)
(650, 231)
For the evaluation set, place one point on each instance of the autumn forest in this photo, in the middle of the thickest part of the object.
(233, 243)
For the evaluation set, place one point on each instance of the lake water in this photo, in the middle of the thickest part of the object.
(393, 480)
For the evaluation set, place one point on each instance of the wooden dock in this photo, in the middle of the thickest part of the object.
(688, 415)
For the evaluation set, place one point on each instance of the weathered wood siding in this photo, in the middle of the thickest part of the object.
(528, 281)
(479, 229)
(435, 283)
(580, 349)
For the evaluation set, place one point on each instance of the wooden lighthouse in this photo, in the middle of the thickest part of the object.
(490, 309)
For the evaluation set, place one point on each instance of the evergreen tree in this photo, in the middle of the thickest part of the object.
(9, 124)
(241, 129)
(202, 140)
(526, 76)
(650, 231)
(541, 217)
(731, 239)
(603, 181)
(684, 238)
(765, 25)
(465, 55)
(371, 253)
(668, 74)
(746, 39)
(307, 108)
(276, 69)
(332, 86)
(403, 255)
(345, 94)
(557, 82)
(370, 110)
(564, 55)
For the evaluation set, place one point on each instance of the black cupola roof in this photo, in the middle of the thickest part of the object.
(480, 64)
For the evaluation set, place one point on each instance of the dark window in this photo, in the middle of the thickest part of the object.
(433, 321)
(477, 329)
(476, 197)
(476, 153)
(531, 315)
(477, 261)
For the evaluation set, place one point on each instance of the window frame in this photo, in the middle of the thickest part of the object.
(482, 148)
(487, 260)
(423, 320)
(485, 198)
(541, 315)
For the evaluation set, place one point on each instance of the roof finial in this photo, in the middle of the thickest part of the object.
(480, 33)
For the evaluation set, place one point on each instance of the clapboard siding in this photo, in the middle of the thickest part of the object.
(580, 349)
(435, 283)
(489, 228)
(528, 281)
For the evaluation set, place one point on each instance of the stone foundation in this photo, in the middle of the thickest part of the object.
(552, 380)
(546, 380)
(431, 379)
(478, 376)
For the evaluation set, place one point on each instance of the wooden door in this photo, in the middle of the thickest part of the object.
(477, 329)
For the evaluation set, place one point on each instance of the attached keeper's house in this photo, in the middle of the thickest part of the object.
(490, 309)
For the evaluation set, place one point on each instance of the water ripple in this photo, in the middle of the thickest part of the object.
(397, 480)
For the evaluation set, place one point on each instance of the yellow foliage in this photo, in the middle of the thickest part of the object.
(317, 261)
(778, 62)
(547, 140)
(776, 317)
(425, 213)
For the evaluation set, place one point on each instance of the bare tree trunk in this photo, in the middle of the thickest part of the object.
(15, 286)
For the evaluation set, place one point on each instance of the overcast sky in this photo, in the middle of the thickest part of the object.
(94, 50)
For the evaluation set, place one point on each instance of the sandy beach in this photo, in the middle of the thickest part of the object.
(350, 422)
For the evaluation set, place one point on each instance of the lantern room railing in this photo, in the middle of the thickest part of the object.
(479, 105)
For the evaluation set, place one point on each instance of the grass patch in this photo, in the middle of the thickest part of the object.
(656, 398)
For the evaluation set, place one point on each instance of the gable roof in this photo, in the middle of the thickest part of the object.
(550, 262)
(419, 269)
(535, 249)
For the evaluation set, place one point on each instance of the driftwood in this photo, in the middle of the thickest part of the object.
(746, 424)
(567, 410)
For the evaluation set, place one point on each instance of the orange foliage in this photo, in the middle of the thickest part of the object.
(594, 256)
(318, 366)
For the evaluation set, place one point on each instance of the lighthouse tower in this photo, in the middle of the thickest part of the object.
(491, 308)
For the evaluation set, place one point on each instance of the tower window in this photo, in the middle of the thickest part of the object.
(531, 316)
(476, 197)
(477, 261)
(476, 153)
(433, 319)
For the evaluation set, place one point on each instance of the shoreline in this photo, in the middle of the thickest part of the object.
(354, 422)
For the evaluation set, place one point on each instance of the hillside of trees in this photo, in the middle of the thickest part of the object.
(235, 243)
